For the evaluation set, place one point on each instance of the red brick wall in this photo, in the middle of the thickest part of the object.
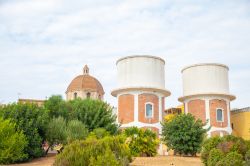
(197, 108)
(213, 105)
(144, 98)
(126, 108)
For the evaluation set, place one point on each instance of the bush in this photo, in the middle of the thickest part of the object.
(76, 130)
(184, 134)
(60, 132)
(215, 156)
(226, 144)
(95, 152)
(32, 120)
(12, 143)
(247, 155)
(56, 131)
(141, 142)
(99, 133)
(207, 146)
(231, 159)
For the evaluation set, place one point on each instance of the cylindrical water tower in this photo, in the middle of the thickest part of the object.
(206, 95)
(141, 93)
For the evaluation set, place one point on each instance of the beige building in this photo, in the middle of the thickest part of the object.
(33, 101)
(85, 86)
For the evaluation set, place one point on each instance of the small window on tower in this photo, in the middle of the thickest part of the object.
(88, 95)
(75, 95)
(219, 115)
(149, 110)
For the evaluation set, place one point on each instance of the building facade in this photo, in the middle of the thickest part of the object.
(206, 95)
(141, 92)
(85, 86)
(240, 122)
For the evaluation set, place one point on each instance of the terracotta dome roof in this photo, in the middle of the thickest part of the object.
(85, 82)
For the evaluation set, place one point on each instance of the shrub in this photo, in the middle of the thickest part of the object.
(184, 134)
(56, 131)
(231, 159)
(93, 152)
(215, 156)
(226, 144)
(32, 120)
(99, 133)
(12, 143)
(247, 155)
(76, 130)
(141, 142)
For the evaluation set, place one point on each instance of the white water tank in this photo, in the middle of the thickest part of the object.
(205, 78)
(147, 71)
(141, 71)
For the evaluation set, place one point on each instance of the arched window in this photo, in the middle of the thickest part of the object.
(88, 95)
(75, 95)
(149, 110)
(219, 115)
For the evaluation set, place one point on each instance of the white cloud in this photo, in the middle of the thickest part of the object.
(45, 43)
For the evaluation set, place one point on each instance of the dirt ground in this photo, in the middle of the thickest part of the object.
(43, 161)
(167, 161)
(139, 161)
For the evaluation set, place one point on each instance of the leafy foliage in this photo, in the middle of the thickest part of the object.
(94, 114)
(226, 145)
(12, 143)
(99, 133)
(32, 120)
(215, 156)
(231, 159)
(56, 131)
(76, 130)
(105, 151)
(184, 134)
(60, 132)
(141, 142)
(57, 107)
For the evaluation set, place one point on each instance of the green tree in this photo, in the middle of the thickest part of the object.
(12, 143)
(56, 107)
(56, 132)
(184, 134)
(76, 130)
(32, 120)
(141, 142)
(94, 114)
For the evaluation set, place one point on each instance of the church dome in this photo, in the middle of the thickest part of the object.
(85, 82)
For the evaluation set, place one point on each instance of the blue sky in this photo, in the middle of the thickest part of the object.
(45, 43)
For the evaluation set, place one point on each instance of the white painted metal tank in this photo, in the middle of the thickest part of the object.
(141, 71)
(206, 78)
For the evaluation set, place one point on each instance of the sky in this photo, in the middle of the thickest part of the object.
(44, 44)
